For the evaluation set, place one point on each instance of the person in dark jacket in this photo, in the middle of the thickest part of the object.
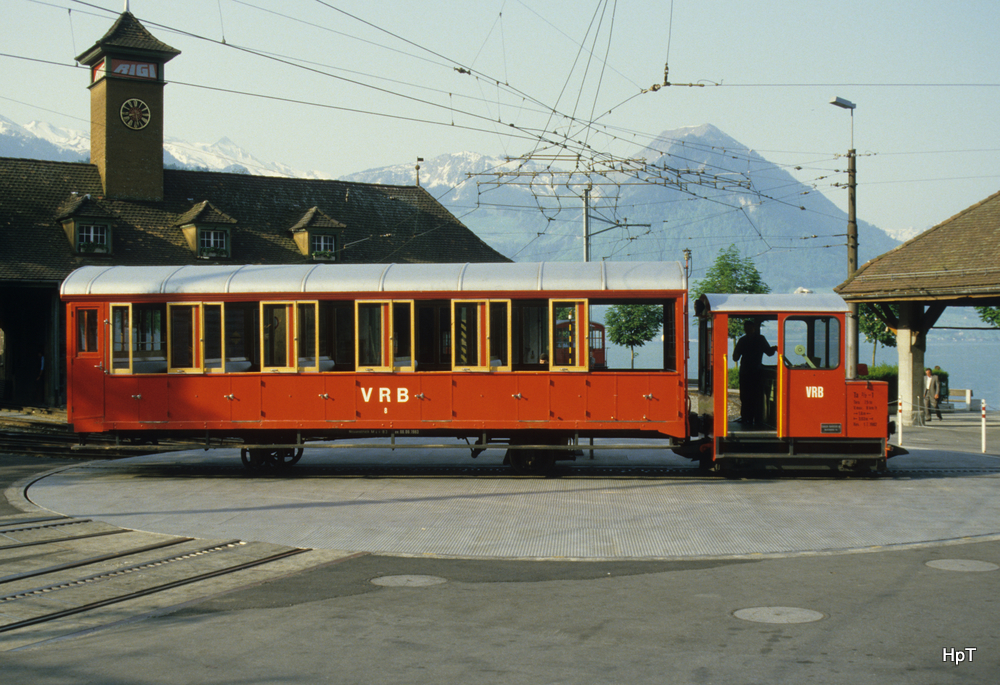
(749, 354)
(932, 393)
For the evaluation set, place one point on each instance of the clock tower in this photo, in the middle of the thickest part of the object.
(126, 109)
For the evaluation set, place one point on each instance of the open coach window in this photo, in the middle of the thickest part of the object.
(812, 342)
(655, 350)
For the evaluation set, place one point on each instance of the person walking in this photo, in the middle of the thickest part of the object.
(932, 393)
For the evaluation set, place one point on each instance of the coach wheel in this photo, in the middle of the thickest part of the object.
(530, 462)
(284, 457)
(253, 459)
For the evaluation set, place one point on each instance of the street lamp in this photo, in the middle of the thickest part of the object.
(852, 240)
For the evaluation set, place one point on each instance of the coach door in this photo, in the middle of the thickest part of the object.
(88, 342)
(811, 397)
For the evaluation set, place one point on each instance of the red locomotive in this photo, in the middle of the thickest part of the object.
(279, 356)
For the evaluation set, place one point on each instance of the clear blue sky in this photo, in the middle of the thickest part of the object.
(923, 75)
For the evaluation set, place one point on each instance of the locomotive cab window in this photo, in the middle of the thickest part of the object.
(568, 335)
(811, 342)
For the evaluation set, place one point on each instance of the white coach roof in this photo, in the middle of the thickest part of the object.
(793, 302)
(321, 278)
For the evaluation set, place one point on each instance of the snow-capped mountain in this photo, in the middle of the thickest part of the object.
(697, 189)
(39, 140)
(24, 142)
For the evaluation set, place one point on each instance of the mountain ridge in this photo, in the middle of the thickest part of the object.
(698, 189)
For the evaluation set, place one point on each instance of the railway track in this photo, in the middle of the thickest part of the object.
(57, 443)
(63, 576)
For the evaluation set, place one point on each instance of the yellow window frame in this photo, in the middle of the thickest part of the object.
(301, 341)
(268, 330)
(481, 340)
(385, 336)
(127, 341)
(222, 338)
(195, 343)
(578, 348)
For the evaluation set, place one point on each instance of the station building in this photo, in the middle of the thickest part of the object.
(124, 208)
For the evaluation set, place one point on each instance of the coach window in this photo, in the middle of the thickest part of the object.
(402, 337)
(183, 334)
(373, 344)
(469, 333)
(336, 336)
(812, 342)
(277, 336)
(121, 338)
(530, 335)
(500, 335)
(433, 336)
(306, 336)
(568, 335)
(214, 342)
(86, 334)
(242, 352)
(149, 338)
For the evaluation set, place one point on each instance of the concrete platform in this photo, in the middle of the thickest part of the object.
(930, 496)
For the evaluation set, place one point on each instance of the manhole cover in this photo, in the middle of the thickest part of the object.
(408, 581)
(962, 565)
(778, 615)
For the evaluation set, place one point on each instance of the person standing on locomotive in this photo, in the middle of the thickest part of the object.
(751, 349)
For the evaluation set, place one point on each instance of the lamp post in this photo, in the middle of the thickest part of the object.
(852, 240)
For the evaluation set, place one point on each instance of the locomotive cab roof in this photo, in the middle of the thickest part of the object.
(739, 303)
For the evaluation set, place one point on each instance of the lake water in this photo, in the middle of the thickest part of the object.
(970, 364)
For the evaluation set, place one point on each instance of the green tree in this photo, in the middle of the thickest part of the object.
(990, 315)
(731, 273)
(633, 325)
(874, 329)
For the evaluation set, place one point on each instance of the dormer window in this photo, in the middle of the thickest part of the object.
(87, 224)
(92, 239)
(323, 247)
(213, 243)
(318, 236)
(208, 231)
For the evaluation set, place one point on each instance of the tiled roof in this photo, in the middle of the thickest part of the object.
(314, 218)
(384, 224)
(127, 35)
(956, 259)
(204, 213)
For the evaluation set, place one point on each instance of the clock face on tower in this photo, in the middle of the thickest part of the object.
(135, 114)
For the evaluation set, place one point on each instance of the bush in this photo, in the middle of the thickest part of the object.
(888, 373)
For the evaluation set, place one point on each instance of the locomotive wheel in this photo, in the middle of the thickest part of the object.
(530, 462)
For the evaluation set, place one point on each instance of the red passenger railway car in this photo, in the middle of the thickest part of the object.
(276, 357)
